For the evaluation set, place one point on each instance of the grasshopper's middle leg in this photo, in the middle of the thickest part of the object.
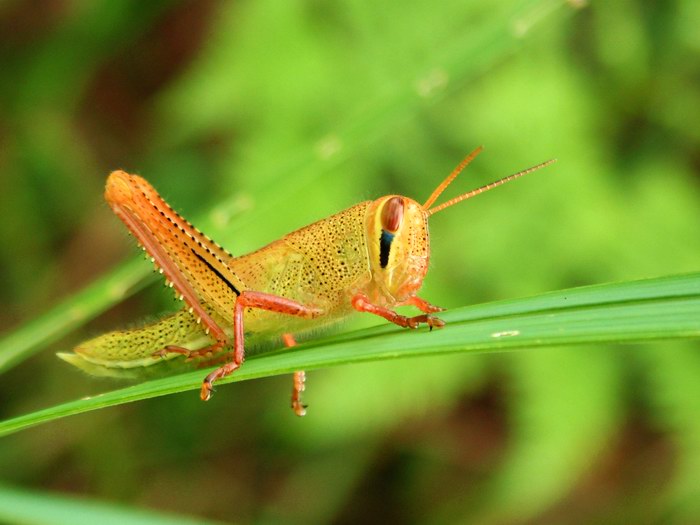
(218, 345)
(423, 305)
(264, 301)
(299, 383)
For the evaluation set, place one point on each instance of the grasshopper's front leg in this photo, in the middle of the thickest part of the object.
(361, 303)
(271, 303)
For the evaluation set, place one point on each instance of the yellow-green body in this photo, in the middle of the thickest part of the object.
(322, 265)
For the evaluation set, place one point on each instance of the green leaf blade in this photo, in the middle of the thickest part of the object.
(632, 312)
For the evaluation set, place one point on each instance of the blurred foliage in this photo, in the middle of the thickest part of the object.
(295, 110)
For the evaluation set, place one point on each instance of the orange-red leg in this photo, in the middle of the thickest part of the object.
(251, 299)
(361, 303)
(299, 383)
(422, 305)
(207, 351)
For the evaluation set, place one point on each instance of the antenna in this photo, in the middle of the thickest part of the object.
(452, 176)
(477, 191)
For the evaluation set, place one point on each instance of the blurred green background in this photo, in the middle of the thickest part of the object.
(255, 118)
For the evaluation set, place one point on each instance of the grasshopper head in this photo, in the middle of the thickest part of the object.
(398, 245)
(397, 234)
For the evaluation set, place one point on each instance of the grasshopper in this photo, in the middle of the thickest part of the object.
(371, 258)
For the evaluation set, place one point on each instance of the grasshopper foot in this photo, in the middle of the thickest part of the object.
(435, 322)
(431, 321)
(208, 383)
(299, 409)
(207, 389)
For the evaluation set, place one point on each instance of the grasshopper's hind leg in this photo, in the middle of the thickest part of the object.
(263, 301)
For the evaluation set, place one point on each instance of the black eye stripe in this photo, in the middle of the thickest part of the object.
(385, 241)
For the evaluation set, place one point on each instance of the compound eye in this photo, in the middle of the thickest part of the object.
(392, 214)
